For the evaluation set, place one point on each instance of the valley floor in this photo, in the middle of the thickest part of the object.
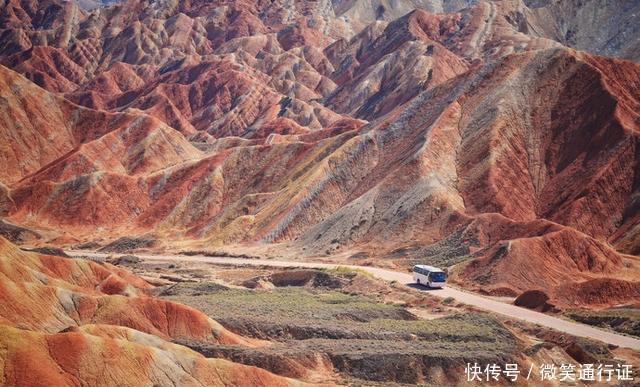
(344, 324)
(464, 297)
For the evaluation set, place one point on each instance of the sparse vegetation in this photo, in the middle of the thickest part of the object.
(49, 250)
(623, 320)
(16, 234)
(363, 339)
(445, 253)
(291, 304)
(348, 270)
(302, 313)
(216, 253)
(87, 246)
(127, 244)
(448, 301)
(192, 289)
(125, 260)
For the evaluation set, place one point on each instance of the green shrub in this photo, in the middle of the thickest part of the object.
(448, 301)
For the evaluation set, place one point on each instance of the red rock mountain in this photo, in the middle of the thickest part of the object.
(420, 131)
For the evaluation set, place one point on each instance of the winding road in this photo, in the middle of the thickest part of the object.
(478, 301)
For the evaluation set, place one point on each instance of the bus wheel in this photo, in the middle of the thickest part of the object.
(418, 280)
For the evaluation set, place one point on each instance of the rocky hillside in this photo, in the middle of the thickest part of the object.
(89, 323)
(464, 134)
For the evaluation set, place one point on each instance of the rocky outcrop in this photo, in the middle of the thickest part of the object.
(534, 299)
(107, 355)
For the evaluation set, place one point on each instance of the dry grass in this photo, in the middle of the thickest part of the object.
(622, 320)
(302, 313)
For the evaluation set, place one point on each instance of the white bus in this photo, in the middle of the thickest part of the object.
(429, 276)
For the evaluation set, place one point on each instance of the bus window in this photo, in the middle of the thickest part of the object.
(437, 276)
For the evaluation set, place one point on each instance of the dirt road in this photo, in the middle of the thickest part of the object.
(478, 301)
